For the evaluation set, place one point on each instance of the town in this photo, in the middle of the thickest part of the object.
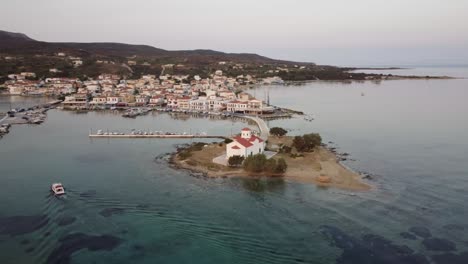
(217, 93)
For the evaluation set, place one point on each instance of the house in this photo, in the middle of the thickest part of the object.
(141, 99)
(156, 100)
(77, 63)
(183, 103)
(112, 100)
(237, 106)
(245, 145)
(99, 100)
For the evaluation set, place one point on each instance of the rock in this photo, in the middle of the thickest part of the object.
(370, 249)
(454, 227)
(20, 225)
(439, 244)
(450, 258)
(407, 235)
(420, 231)
(66, 220)
(76, 242)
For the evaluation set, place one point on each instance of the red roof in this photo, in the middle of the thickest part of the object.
(244, 142)
(253, 137)
(235, 147)
(246, 129)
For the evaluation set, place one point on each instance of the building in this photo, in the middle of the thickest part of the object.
(141, 99)
(245, 145)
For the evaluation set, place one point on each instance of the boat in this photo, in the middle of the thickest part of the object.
(58, 189)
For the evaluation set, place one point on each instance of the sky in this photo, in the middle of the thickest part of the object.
(335, 32)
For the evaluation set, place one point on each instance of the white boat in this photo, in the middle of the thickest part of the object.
(58, 189)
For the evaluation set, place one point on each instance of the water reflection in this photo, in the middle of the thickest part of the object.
(261, 185)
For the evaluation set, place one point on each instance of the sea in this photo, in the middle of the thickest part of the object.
(126, 204)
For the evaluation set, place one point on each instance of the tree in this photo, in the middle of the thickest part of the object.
(307, 142)
(270, 166)
(235, 161)
(255, 163)
(281, 166)
(299, 143)
(278, 131)
(312, 140)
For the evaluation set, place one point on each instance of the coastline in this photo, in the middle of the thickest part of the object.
(312, 168)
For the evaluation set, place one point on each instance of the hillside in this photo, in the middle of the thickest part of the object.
(20, 53)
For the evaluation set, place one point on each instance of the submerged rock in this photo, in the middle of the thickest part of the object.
(370, 249)
(76, 242)
(407, 235)
(454, 227)
(111, 211)
(420, 231)
(66, 220)
(451, 258)
(439, 244)
(20, 225)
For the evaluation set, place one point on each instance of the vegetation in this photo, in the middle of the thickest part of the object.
(187, 152)
(259, 163)
(307, 142)
(281, 166)
(278, 131)
(227, 140)
(235, 161)
(39, 57)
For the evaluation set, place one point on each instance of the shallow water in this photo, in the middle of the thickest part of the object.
(409, 134)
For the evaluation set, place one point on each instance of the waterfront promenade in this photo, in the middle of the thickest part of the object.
(152, 136)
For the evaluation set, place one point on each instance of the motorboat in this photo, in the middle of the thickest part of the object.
(58, 189)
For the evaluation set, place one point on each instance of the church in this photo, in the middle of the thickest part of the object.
(244, 145)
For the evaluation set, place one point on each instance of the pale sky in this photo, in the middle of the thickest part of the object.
(338, 32)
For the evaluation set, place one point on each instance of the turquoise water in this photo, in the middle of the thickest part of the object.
(410, 135)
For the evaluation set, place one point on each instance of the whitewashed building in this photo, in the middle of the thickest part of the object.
(245, 145)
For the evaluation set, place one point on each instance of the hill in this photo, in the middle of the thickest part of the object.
(21, 53)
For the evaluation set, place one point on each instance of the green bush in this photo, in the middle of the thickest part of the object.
(270, 166)
(227, 140)
(278, 131)
(281, 166)
(184, 155)
(255, 163)
(307, 143)
(235, 161)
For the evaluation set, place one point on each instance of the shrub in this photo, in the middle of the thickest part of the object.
(278, 131)
(235, 161)
(307, 143)
(184, 155)
(227, 140)
(281, 166)
(255, 163)
(285, 149)
(270, 166)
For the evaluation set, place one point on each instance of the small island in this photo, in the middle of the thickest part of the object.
(300, 158)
